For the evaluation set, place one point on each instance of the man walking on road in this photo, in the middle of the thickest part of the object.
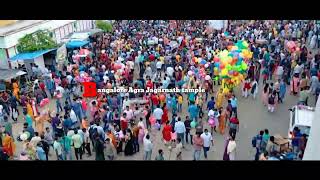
(197, 145)
(180, 129)
(158, 112)
(77, 144)
(147, 147)
(207, 140)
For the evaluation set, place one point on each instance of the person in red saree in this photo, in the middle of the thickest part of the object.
(166, 132)
(124, 122)
(165, 117)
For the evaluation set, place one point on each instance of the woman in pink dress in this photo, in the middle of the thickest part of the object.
(294, 85)
(265, 95)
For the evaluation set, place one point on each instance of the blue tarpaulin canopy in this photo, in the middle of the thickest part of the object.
(31, 55)
(76, 44)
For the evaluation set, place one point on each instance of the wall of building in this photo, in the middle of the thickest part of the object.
(3, 58)
(313, 145)
(59, 28)
(12, 39)
(6, 22)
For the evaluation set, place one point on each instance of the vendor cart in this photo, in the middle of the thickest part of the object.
(283, 143)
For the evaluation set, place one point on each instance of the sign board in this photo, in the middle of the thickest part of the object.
(61, 56)
(216, 24)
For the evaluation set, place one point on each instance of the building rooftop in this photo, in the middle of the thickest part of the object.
(18, 26)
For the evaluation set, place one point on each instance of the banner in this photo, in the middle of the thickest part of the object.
(61, 56)
(216, 24)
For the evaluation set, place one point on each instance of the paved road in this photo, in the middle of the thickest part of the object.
(253, 116)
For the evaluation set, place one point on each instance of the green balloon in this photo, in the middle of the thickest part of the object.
(244, 66)
(229, 67)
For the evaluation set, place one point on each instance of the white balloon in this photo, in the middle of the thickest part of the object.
(207, 77)
(206, 65)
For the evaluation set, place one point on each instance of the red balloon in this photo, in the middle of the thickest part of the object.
(235, 73)
(216, 59)
(222, 66)
(162, 97)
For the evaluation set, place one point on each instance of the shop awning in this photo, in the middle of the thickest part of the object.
(76, 44)
(31, 55)
(7, 74)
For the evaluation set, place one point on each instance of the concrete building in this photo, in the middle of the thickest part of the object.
(313, 145)
(12, 30)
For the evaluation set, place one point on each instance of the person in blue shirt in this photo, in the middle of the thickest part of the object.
(191, 97)
(67, 123)
(174, 104)
(169, 101)
(234, 103)
(211, 104)
(28, 119)
(41, 155)
(77, 108)
(193, 111)
(173, 122)
(66, 142)
(295, 140)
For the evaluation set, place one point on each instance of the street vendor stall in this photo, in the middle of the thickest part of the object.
(282, 143)
(6, 75)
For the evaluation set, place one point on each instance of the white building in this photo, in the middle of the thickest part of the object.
(313, 145)
(11, 33)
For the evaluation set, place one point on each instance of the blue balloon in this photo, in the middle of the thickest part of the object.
(203, 62)
(217, 65)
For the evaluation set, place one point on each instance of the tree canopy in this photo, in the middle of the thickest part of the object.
(103, 25)
(39, 40)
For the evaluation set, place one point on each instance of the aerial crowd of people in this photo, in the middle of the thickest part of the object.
(158, 54)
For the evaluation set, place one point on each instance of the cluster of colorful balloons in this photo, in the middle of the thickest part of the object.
(232, 63)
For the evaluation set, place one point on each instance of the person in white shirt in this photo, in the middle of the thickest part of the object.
(231, 148)
(297, 69)
(159, 67)
(157, 113)
(178, 149)
(129, 113)
(170, 71)
(126, 102)
(147, 145)
(73, 116)
(86, 141)
(180, 129)
(207, 140)
(57, 147)
(35, 140)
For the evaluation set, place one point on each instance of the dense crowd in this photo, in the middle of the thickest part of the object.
(158, 54)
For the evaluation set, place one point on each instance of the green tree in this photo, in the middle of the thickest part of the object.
(39, 40)
(103, 25)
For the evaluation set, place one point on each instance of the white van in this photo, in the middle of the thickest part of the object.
(301, 117)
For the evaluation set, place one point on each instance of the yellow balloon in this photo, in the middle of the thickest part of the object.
(224, 72)
(229, 59)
